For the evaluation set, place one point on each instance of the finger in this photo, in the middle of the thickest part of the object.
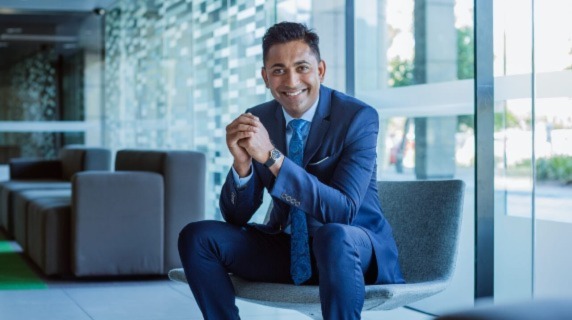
(249, 119)
(244, 118)
(246, 127)
(251, 116)
(241, 128)
(233, 138)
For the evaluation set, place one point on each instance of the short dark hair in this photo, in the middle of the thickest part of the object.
(284, 32)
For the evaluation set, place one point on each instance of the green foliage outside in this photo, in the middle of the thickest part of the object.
(465, 53)
(506, 120)
(400, 72)
(554, 168)
(465, 69)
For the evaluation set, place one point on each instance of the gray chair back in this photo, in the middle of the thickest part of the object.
(425, 217)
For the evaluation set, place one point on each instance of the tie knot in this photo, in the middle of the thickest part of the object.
(298, 125)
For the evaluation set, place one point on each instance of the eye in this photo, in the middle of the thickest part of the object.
(303, 68)
(277, 72)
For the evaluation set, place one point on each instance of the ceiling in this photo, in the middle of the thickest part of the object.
(27, 26)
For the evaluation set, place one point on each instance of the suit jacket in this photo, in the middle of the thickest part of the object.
(336, 184)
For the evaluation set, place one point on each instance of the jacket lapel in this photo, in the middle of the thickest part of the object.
(320, 125)
(277, 132)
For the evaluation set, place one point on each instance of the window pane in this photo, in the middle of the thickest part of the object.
(513, 150)
(553, 149)
(414, 64)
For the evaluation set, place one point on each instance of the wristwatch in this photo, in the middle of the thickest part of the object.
(275, 154)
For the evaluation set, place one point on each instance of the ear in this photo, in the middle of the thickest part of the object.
(322, 70)
(264, 76)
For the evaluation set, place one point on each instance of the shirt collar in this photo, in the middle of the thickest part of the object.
(308, 115)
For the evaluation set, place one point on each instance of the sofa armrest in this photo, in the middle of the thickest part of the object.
(76, 158)
(117, 223)
(28, 169)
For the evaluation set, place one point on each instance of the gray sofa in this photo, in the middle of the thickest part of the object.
(41, 174)
(124, 222)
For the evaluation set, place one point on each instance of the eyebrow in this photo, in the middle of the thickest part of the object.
(281, 65)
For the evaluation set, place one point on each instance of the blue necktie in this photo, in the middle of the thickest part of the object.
(300, 267)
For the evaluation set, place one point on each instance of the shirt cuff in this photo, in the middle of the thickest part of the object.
(238, 181)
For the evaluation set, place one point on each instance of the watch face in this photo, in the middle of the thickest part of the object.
(275, 154)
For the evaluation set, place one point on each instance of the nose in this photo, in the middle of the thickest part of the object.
(292, 79)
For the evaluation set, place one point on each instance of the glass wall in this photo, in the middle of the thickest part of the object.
(177, 72)
(414, 64)
(552, 148)
(513, 150)
(50, 83)
(533, 155)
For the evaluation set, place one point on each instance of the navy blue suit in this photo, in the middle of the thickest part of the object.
(336, 187)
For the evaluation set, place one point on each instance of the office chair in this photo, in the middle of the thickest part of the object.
(426, 219)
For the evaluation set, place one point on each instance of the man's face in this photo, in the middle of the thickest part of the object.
(293, 75)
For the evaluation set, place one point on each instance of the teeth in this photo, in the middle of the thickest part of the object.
(295, 93)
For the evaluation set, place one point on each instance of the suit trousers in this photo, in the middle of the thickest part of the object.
(342, 263)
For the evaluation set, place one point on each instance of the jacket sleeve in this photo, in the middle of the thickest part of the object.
(340, 199)
(238, 205)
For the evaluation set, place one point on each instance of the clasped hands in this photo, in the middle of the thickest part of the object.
(247, 139)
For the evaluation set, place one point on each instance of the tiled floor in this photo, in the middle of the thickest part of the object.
(151, 299)
(139, 300)
(136, 300)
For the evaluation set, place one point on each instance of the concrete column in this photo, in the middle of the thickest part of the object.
(90, 35)
(435, 147)
(435, 61)
(371, 61)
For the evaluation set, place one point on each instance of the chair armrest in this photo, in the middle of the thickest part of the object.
(28, 169)
(117, 225)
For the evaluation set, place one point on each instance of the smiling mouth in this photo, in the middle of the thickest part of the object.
(294, 93)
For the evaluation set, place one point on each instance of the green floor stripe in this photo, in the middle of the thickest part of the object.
(15, 274)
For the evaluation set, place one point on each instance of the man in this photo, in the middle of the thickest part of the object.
(326, 226)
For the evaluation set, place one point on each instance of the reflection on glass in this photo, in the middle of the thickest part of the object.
(513, 150)
(512, 32)
(553, 149)
(553, 196)
(533, 153)
(44, 82)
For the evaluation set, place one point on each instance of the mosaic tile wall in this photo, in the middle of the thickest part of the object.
(31, 95)
(178, 71)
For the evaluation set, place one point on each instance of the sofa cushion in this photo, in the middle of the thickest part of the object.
(7, 189)
(48, 235)
(21, 202)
